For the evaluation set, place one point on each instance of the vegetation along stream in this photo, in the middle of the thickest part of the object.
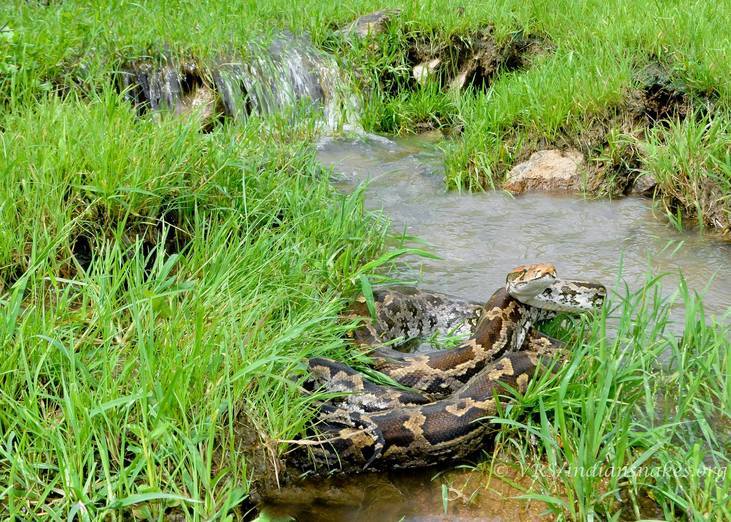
(478, 237)
(193, 195)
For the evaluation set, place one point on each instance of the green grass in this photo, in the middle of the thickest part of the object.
(580, 92)
(121, 383)
(691, 161)
(635, 425)
(222, 260)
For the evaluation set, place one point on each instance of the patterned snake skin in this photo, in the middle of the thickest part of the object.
(436, 415)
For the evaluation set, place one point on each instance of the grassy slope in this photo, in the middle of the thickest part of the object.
(122, 381)
(575, 95)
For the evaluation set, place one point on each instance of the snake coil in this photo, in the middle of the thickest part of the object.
(440, 414)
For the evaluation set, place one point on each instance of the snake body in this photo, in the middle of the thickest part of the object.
(408, 312)
(417, 435)
(439, 416)
(503, 326)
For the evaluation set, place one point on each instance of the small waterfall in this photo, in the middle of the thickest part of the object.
(287, 71)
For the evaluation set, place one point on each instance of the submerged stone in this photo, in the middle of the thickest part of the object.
(547, 170)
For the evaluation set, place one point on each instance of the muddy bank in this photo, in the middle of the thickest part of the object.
(424, 496)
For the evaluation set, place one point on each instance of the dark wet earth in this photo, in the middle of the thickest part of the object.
(479, 237)
(422, 496)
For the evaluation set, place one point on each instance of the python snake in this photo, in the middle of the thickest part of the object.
(437, 413)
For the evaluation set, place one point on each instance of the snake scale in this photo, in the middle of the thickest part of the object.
(436, 414)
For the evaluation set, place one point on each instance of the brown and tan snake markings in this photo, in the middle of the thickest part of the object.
(440, 415)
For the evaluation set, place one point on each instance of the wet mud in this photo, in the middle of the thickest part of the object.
(459, 495)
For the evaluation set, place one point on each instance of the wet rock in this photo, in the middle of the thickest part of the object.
(423, 71)
(547, 170)
(644, 185)
(371, 24)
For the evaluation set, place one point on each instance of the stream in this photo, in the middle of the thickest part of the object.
(478, 238)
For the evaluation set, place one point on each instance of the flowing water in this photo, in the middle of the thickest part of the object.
(287, 71)
(271, 75)
(479, 237)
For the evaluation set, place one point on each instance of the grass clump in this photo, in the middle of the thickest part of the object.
(691, 162)
(123, 379)
(635, 425)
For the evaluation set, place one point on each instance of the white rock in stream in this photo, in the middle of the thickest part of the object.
(547, 170)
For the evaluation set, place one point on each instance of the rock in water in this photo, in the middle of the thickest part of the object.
(547, 170)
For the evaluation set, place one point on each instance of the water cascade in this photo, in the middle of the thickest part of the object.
(285, 71)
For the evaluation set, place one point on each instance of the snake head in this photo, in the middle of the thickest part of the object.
(539, 286)
(571, 296)
(527, 281)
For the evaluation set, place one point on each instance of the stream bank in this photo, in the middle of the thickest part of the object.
(478, 238)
